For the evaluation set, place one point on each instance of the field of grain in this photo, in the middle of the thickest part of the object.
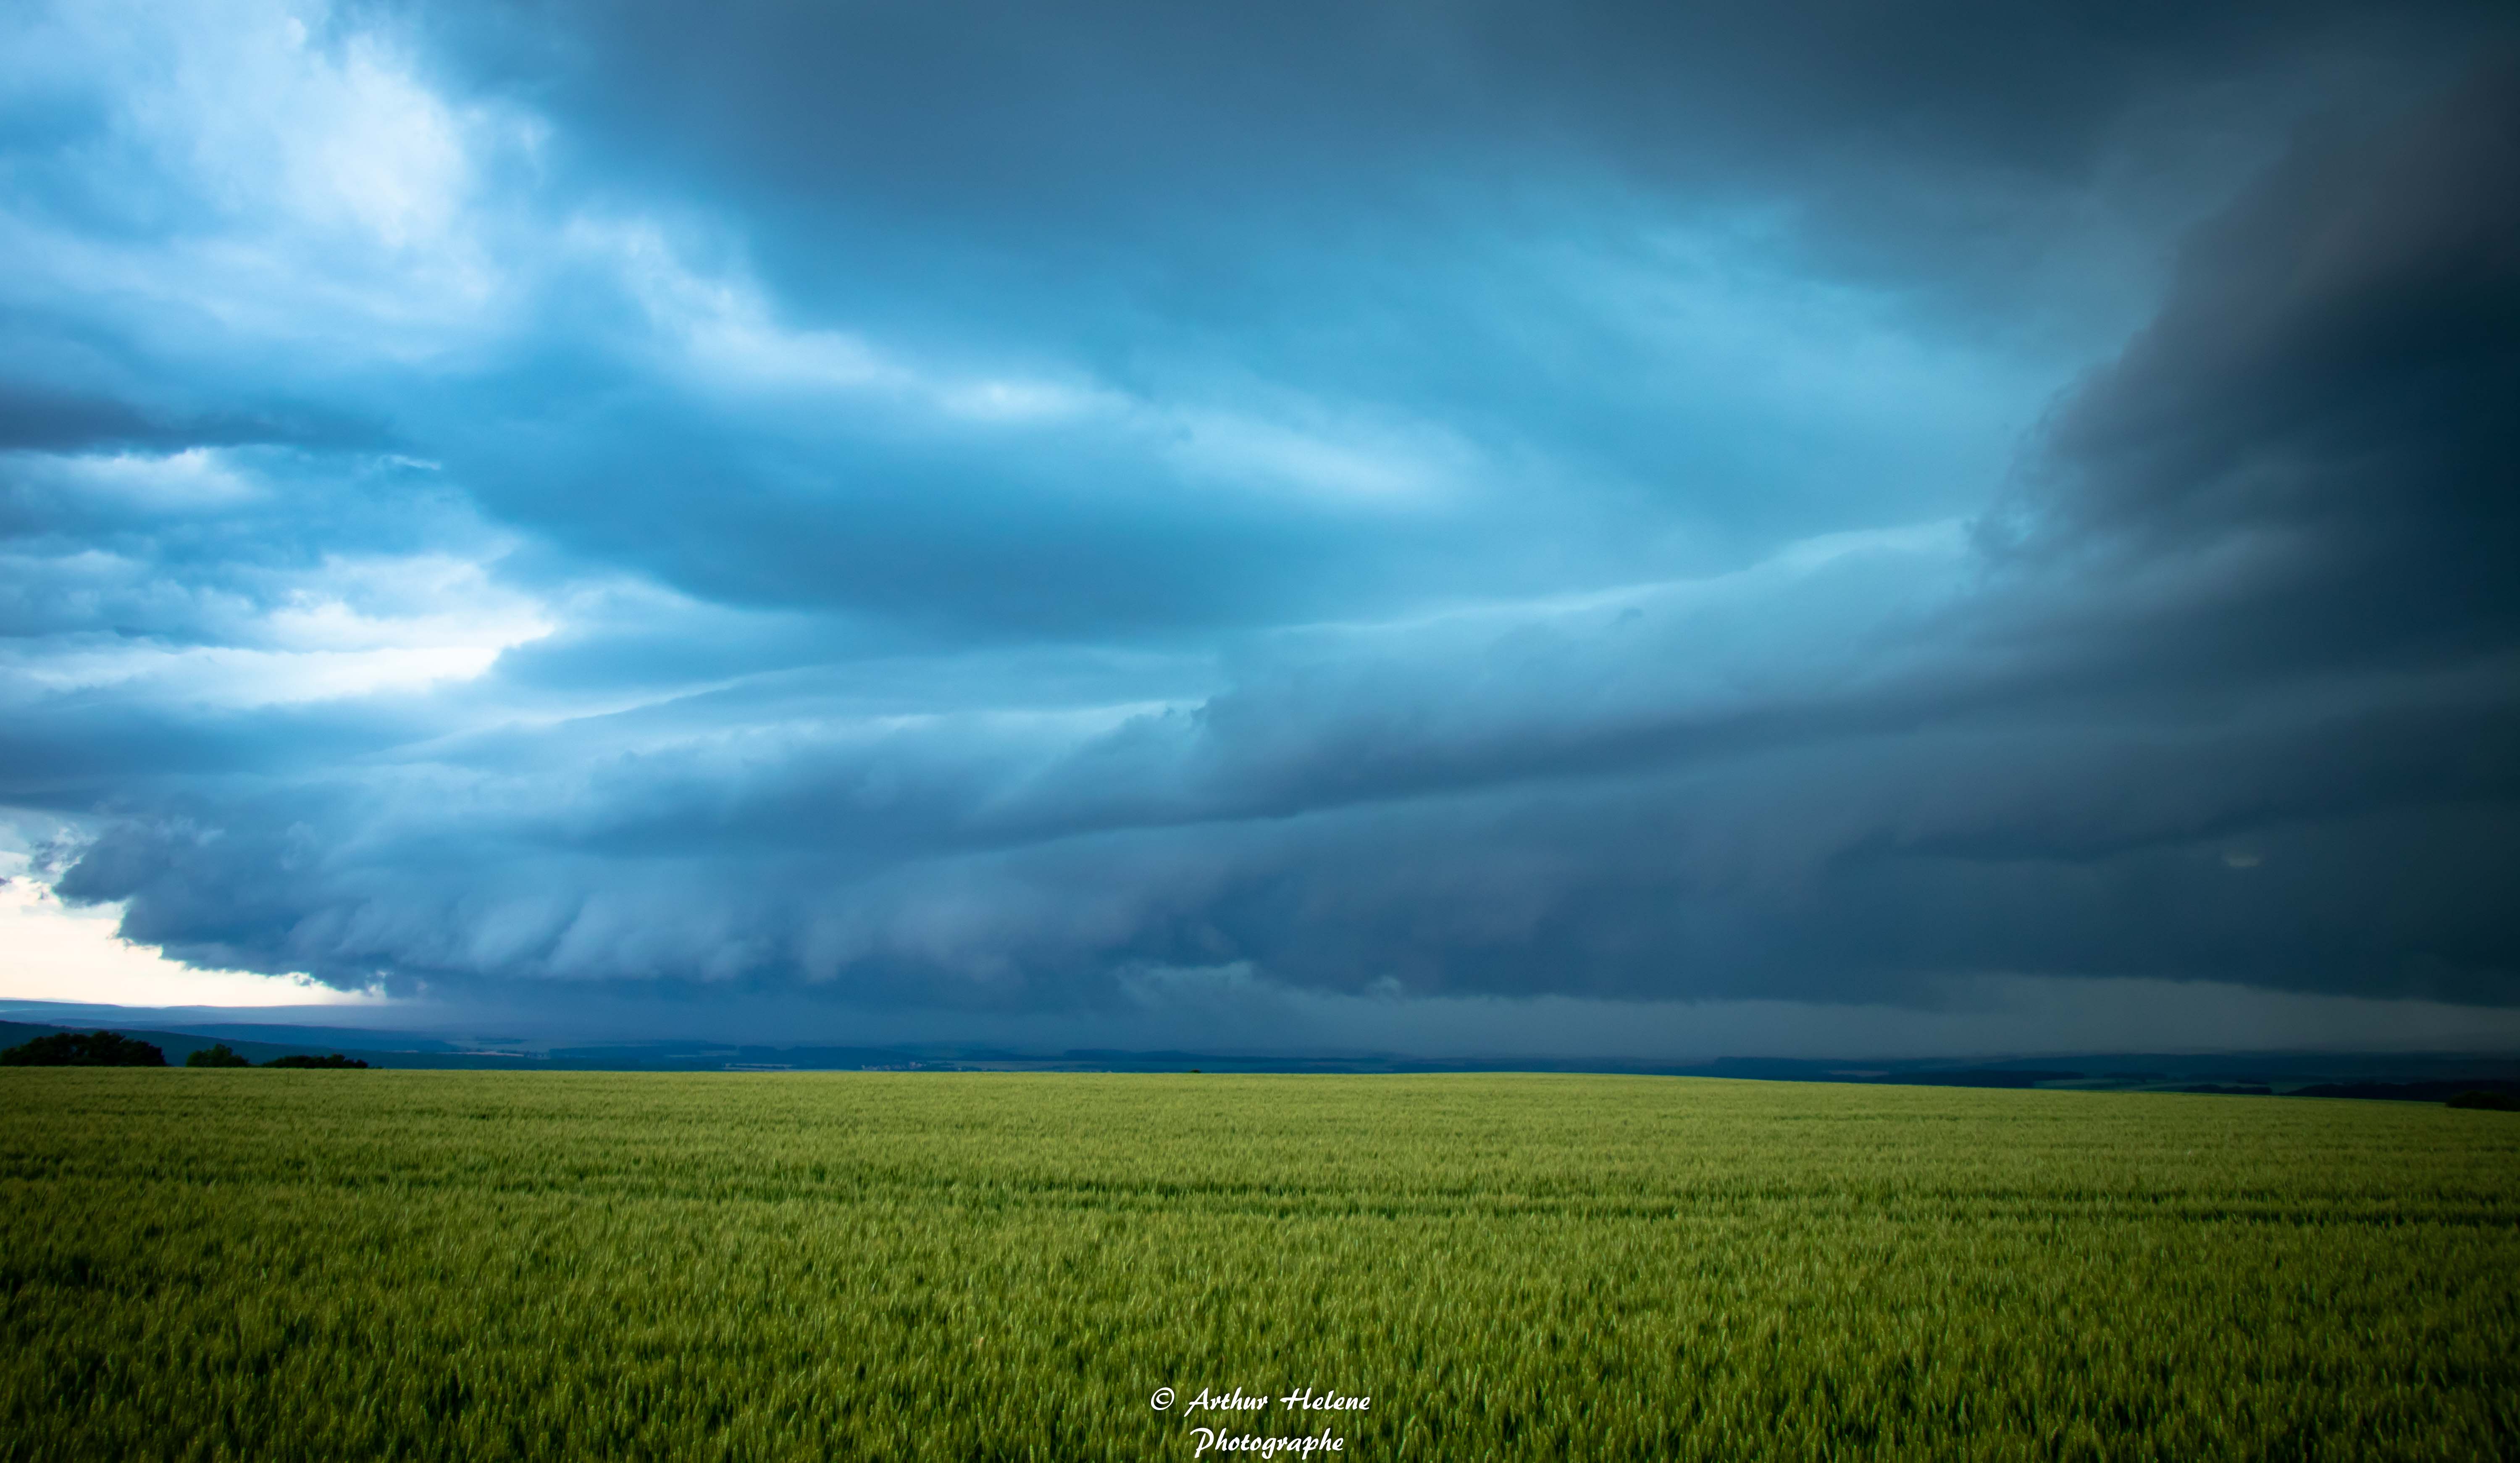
(466, 1266)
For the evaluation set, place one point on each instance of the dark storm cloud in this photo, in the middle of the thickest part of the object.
(34, 416)
(2318, 431)
(1368, 206)
(1047, 120)
(58, 393)
(1384, 501)
(1422, 212)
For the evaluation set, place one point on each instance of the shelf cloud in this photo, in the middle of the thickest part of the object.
(1020, 513)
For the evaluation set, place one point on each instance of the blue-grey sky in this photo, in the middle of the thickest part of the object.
(1637, 529)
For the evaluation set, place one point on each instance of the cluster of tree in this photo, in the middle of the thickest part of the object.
(218, 1055)
(104, 1049)
(2492, 1102)
(76, 1049)
(2469, 1093)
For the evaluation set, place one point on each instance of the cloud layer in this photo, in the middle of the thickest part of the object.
(978, 512)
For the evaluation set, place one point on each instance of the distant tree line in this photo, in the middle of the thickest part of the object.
(104, 1049)
(77, 1048)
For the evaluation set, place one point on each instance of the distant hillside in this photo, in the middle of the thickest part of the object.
(2418, 1077)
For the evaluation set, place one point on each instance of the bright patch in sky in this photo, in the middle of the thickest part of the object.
(49, 950)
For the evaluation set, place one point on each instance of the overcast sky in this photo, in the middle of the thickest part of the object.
(1648, 530)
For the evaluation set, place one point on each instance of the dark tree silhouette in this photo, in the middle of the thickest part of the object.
(218, 1055)
(335, 1060)
(72, 1049)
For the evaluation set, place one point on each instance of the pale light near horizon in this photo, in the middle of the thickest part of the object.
(49, 950)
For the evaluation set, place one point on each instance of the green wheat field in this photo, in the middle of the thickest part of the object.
(483, 1265)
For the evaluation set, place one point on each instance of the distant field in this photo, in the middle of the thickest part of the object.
(480, 1266)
